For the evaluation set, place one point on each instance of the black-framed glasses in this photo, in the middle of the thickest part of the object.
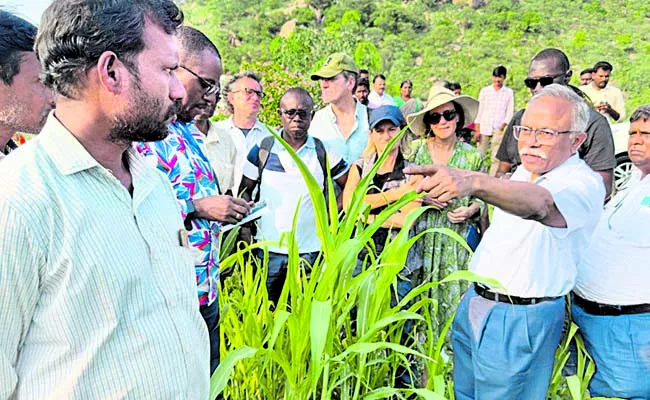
(250, 92)
(292, 113)
(542, 136)
(434, 118)
(209, 87)
(531, 83)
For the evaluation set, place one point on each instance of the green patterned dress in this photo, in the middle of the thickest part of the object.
(437, 255)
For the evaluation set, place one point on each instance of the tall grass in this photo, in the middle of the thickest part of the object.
(333, 334)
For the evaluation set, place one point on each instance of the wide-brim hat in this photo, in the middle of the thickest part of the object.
(334, 65)
(437, 97)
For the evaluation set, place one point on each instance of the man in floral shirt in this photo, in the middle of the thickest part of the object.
(183, 158)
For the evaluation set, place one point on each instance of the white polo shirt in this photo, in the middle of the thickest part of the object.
(284, 188)
(615, 269)
(243, 144)
(324, 127)
(530, 259)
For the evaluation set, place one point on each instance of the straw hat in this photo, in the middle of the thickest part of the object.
(437, 97)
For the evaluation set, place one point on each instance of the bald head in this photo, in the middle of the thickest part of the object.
(298, 94)
(296, 110)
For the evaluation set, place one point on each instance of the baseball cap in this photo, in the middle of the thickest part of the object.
(386, 113)
(334, 65)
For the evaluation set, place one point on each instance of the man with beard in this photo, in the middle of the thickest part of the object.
(362, 91)
(25, 101)
(98, 296)
(607, 99)
(271, 169)
(182, 157)
(552, 66)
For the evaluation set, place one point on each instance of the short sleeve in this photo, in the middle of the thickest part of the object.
(598, 150)
(338, 166)
(508, 150)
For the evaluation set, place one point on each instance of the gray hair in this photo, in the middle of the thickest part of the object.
(579, 108)
(229, 86)
(642, 112)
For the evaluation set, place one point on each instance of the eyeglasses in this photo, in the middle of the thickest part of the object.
(434, 118)
(209, 87)
(250, 92)
(291, 114)
(542, 136)
(531, 83)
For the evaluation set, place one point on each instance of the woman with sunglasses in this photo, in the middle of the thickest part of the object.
(435, 254)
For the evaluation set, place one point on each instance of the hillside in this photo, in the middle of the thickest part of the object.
(427, 39)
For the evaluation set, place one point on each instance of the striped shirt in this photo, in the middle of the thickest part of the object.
(97, 298)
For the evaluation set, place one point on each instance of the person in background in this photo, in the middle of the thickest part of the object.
(456, 88)
(585, 76)
(281, 184)
(378, 96)
(405, 90)
(343, 123)
(607, 99)
(505, 335)
(362, 91)
(182, 157)
(611, 302)
(25, 101)
(244, 95)
(552, 66)
(497, 103)
(364, 74)
(97, 291)
(435, 254)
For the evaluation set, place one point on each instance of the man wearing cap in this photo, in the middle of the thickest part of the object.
(343, 123)
(505, 332)
(281, 184)
(611, 302)
(552, 66)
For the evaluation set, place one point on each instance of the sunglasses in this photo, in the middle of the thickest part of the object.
(531, 83)
(209, 87)
(434, 118)
(292, 113)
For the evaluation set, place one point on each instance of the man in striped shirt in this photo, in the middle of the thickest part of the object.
(97, 294)
(25, 101)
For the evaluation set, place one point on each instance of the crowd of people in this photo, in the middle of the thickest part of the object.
(110, 219)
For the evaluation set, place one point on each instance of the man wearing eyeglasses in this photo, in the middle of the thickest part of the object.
(506, 331)
(281, 184)
(611, 302)
(244, 95)
(182, 157)
(552, 66)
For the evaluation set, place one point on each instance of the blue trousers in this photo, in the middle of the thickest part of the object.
(277, 270)
(504, 351)
(211, 317)
(620, 347)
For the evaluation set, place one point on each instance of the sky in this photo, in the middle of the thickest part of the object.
(31, 10)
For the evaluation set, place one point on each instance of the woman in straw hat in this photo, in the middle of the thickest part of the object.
(435, 254)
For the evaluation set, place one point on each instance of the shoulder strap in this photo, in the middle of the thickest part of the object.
(262, 158)
(321, 154)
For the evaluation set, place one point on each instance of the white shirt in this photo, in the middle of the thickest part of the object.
(324, 127)
(97, 298)
(243, 144)
(283, 188)
(375, 100)
(496, 107)
(615, 269)
(530, 259)
(222, 153)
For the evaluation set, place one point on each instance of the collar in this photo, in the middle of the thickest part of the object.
(67, 154)
(309, 143)
(359, 110)
(572, 161)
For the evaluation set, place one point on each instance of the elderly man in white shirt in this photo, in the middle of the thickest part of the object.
(504, 336)
(611, 302)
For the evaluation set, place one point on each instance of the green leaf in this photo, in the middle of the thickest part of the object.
(221, 375)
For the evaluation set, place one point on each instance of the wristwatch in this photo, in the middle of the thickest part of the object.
(191, 214)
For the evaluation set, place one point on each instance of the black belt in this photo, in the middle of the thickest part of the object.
(486, 293)
(594, 308)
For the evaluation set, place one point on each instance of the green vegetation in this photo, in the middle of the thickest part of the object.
(428, 39)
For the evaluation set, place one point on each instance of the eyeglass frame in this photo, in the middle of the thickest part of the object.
(538, 80)
(297, 113)
(440, 116)
(536, 132)
(249, 92)
(210, 88)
